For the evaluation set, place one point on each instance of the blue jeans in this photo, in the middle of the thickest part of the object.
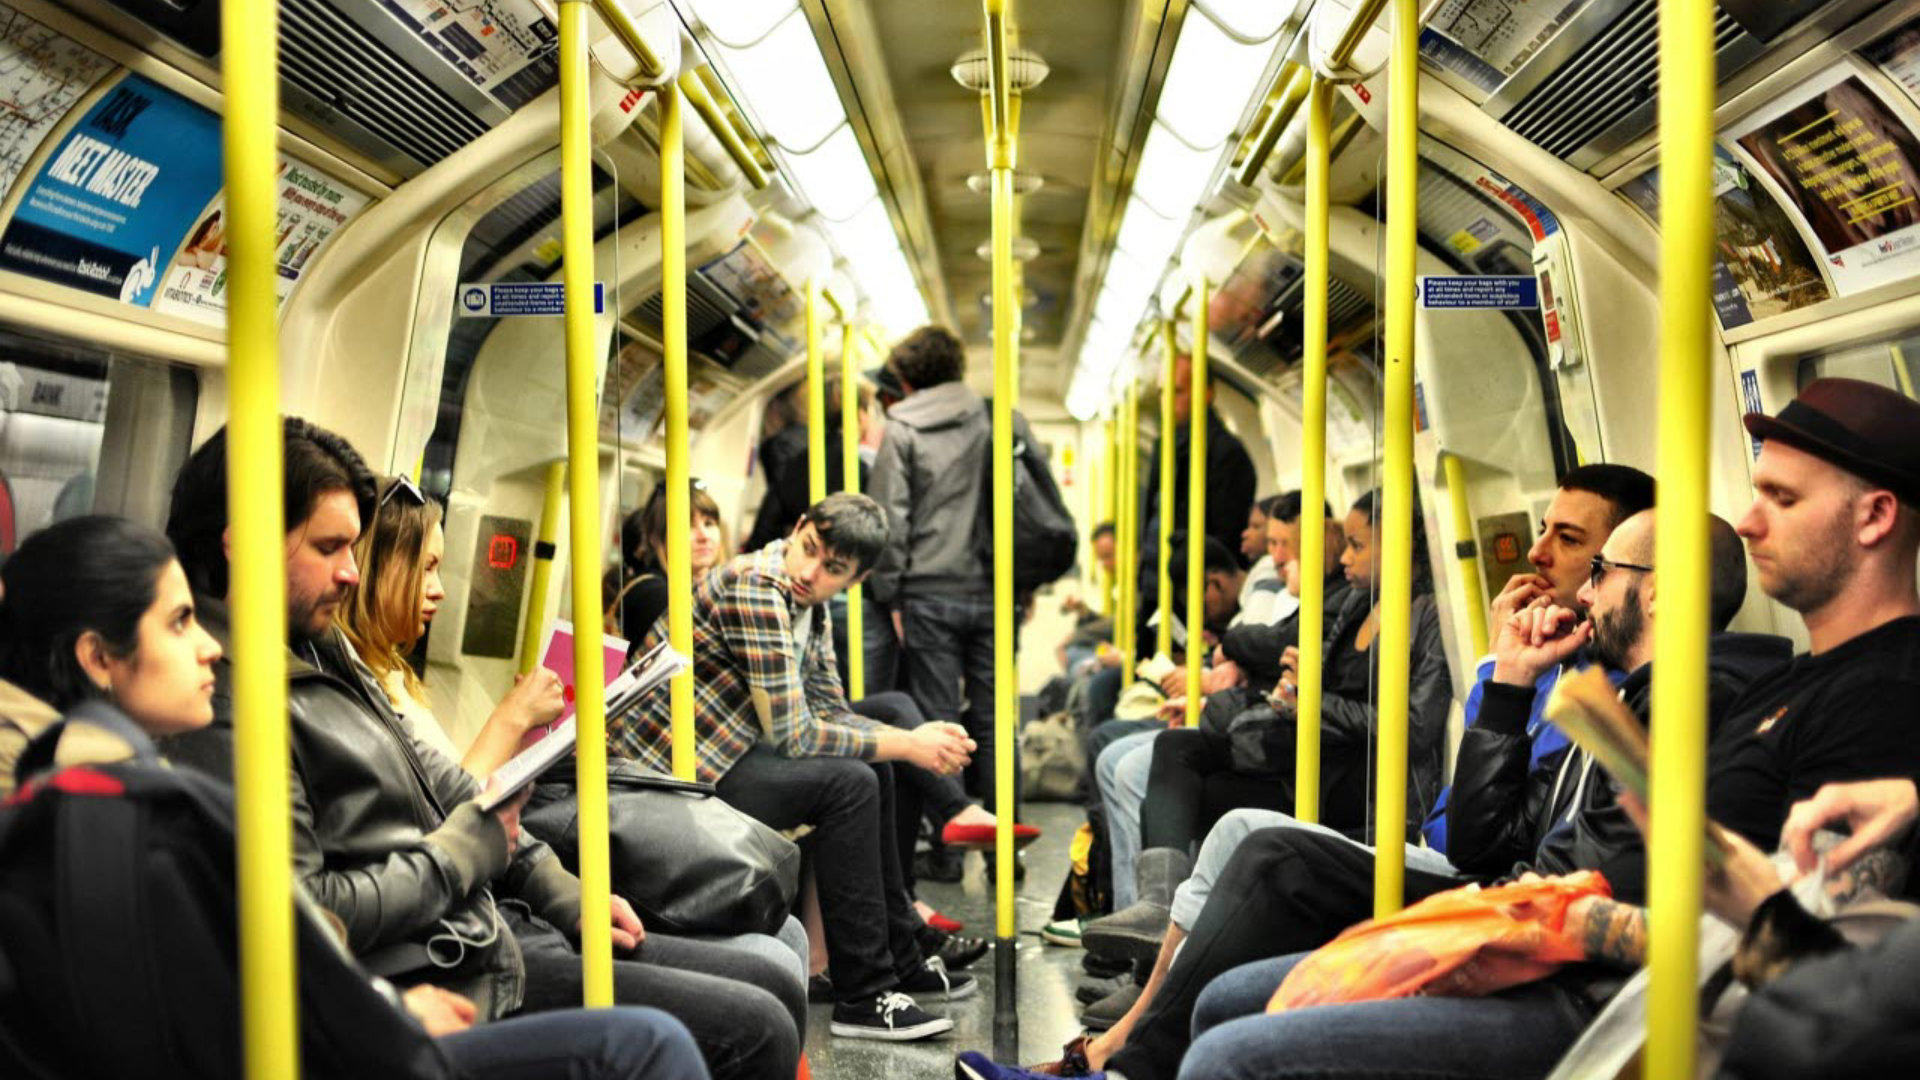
(1120, 772)
(949, 671)
(1519, 1033)
(578, 1044)
(1225, 837)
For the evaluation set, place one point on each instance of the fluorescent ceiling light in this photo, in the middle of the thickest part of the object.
(1149, 237)
(1120, 308)
(866, 239)
(1209, 81)
(783, 80)
(1125, 275)
(739, 22)
(835, 177)
(1256, 19)
(1172, 177)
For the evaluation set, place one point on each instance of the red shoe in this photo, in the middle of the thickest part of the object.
(980, 837)
(944, 925)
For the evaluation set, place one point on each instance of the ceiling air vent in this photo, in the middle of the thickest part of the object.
(1601, 97)
(344, 77)
(708, 308)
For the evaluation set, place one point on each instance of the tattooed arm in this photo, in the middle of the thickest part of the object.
(1613, 933)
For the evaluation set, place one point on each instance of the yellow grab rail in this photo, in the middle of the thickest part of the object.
(1467, 550)
(1680, 538)
(1000, 160)
(583, 474)
(1363, 19)
(534, 623)
(1312, 546)
(1197, 502)
(1393, 519)
(270, 1015)
(673, 341)
(628, 31)
(1284, 110)
(696, 94)
(850, 462)
(816, 399)
(1163, 638)
(1127, 557)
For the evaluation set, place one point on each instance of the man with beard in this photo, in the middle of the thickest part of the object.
(1290, 889)
(389, 835)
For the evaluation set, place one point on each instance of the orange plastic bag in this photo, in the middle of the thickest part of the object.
(1464, 942)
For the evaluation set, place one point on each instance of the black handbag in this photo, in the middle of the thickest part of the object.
(685, 860)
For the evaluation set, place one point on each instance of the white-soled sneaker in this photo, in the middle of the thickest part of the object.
(934, 978)
(888, 1017)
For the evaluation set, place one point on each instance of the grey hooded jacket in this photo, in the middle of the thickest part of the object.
(930, 477)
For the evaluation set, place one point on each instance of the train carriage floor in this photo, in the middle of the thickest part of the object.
(1047, 974)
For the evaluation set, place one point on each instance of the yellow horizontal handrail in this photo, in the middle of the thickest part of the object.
(1284, 110)
(696, 95)
(1363, 19)
(628, 32)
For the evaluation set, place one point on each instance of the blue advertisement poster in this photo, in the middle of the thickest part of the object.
(113, 201)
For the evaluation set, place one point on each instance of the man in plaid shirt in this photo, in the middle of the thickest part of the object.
(774, 734)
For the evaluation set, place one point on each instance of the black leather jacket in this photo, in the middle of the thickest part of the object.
(386, 834)
(1564, 815)
(1257, 648)
(1348, 725)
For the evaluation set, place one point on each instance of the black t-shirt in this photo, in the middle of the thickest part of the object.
(1850, 713)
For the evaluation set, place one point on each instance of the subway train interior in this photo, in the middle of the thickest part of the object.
(1422, 257)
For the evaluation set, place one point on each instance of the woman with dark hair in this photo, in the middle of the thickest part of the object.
(1348, 716)
(98, 609)
(639, 597)
(387, 613)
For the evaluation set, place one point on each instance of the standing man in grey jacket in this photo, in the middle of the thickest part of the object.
(931, 478)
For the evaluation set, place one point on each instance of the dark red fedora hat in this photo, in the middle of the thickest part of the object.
(1868, 430)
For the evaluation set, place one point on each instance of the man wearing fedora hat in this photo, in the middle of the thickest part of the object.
(1833, 533)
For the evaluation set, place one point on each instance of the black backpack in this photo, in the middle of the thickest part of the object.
(1045, 539)
(118, 936)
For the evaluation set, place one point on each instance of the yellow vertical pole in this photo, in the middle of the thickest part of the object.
(1163, 640)
(1467, 550)
(1312, 548)
(270, 1026)
(543, 551)
(583, 475)
(1005, 304)
(1681, 546)
(850, 459)
(673, 334)
(1109, 503)
(1394, 518)
(816, 399)
(1197, 504)
(1127, 558)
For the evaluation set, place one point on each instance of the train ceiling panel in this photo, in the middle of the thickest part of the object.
(1578, 77)
(377, 75)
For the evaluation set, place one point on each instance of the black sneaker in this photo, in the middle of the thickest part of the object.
(941, 864)
(888, 1017)
(819, 989)
(959, 951)
(934, 978)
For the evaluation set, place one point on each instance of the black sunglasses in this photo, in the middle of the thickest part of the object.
(399, 484)
(1598, 567)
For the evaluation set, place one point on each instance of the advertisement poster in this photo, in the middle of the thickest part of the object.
(1852, 169)
(509, 48)
(1761, 266)
(42, 74)
(105, 209)
(312, 207)
(1898, 57)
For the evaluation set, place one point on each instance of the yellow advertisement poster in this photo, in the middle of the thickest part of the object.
(1851, 167)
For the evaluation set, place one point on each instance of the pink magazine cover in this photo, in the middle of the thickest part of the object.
(557, 657)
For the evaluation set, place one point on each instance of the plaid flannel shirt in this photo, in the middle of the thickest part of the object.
(743, 616)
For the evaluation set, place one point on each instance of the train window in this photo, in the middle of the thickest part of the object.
(82, 431)
(1893, 363)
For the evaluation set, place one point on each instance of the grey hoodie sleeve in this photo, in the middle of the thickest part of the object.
(891, 488)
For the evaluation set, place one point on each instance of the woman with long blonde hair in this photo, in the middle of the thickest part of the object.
(399, 553)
